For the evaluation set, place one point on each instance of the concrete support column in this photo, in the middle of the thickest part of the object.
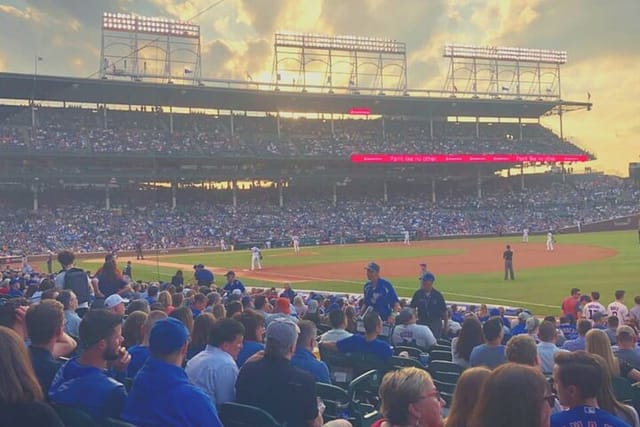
(34, 189)
(433, 191)
(386, 192)
(280, 194)
(107, 197)
(522, 176)
(335, 194)
(231, 129)
(479, 185)
(174, 190)
(234, 184)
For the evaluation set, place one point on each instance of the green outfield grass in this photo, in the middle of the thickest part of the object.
(541, 290)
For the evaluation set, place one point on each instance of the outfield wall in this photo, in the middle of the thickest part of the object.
(630, 222)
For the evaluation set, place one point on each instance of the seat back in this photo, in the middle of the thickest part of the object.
(405, 362)
(624, 391)
(239, 415)
(336, 401)
(412, 351)
(441, 355)
(363, 392)
(444, 371)
(74, 417)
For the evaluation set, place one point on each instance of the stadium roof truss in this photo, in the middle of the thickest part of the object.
(146, 48)
(504, 72)
(349, 64)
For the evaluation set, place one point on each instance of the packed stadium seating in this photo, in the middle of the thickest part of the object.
(91, 131)
(77, 219)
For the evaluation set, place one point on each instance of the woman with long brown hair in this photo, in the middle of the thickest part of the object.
(465, 397)
(21, 399)
(471, 335)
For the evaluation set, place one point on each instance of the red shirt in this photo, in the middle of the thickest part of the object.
(570, 306)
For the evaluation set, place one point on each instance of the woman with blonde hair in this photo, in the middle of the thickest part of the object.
(514, 395)
(21, 399)
(597, 342)
(409, 398)
(166, 300)
(465, 397)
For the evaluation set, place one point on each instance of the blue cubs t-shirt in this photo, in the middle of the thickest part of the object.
(586, 416)
(381, 298)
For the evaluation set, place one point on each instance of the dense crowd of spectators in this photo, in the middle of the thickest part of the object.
(85, 130)
(139, 217)
(181, 352)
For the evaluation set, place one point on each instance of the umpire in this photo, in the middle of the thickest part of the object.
(432, 309)
(508, 263)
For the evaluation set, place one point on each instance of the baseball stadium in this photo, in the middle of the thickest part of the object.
(329, 171)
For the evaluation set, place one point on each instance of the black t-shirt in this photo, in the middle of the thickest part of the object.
(34, 414)
(431, 307)
(284, 391)
(45, 367)
(508, 255)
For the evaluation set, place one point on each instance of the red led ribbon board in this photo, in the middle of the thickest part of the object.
(467, 158)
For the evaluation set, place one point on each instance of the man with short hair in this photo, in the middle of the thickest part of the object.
(367, 344)
(274, 385)
(82, 382)
(547, 348)
(431, 306)
(71, 319)
(44, 324)
(408, 332)
(634, 313)
(203, 276)
(199, 304)
(115, 303)
(579, 343)
(618, 308)
(233, 283)
(593, 307)
(261, 304)
(578, 380)
(599, 321)
(140, 353)
(492, 353)
(76, 280)
(627, 349)
(612, 329)
(338, 322)
(570, 304)
(287, 292)
(508, 263)
(161, 394)
(522, 349)
(379, 294)
(303, 357)
(152, 294)
(214, 369)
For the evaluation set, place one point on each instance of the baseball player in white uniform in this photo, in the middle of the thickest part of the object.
(617, 308)
(592, 308)
(223, 245)
(550, 241)
(406, 237)
(296, 244)
(255, 258)
(525, 235)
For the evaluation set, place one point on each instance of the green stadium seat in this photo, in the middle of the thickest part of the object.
(336, 401)
(440, 355)
(413, 351)
(398, 362)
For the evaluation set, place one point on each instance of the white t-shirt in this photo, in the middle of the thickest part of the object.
(255, 251)
(619, 310)
(415, 334)
(592, 308)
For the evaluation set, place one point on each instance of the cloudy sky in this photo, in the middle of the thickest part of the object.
(602, 39)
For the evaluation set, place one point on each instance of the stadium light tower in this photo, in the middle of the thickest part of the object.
(141, 47)
(350, 63)
(504, 71)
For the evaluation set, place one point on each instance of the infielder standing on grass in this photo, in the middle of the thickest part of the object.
(550, 241)
(296, 244)
(256, 256)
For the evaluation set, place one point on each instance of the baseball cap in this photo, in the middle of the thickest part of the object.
(284, 331)
(283, 305)
(532, 323)
(428, 277)
(598, 316)
(523, 316)
(404, 316)
(167, 336)
(114, 300)
(372, 266)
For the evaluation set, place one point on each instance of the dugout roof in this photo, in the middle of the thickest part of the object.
(80, 90)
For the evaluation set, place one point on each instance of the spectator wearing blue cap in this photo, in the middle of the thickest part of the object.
(161, 394)
(379, 294)
(432, 309)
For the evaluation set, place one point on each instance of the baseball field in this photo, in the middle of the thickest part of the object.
(468, 270)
